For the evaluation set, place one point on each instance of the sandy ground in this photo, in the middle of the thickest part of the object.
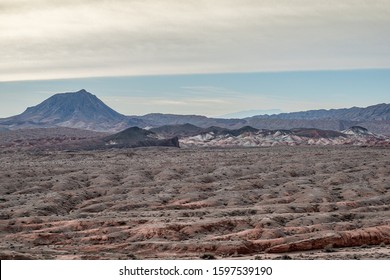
(248, 203)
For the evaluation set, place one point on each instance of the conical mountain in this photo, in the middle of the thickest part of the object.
(79, 109)
(71, 106)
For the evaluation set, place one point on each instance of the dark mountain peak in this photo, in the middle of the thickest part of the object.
(80, 93)
(75, 97)
(130, 135)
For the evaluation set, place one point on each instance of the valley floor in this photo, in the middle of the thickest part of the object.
(149, 203)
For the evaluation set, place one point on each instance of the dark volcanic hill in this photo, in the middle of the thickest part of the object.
(138, 137)
(130, 135)
(79, 109)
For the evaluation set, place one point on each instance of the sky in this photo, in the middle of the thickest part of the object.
(196, 57)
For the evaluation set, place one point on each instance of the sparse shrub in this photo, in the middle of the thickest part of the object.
(129, 154)
(284, 257)
(329, 249)
(208, 256)
(252, 212)
(148, 174)
(207, 179)
(348, 217)
(132, 257)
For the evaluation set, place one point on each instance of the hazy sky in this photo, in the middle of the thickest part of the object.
(55, 39)
(213, 94)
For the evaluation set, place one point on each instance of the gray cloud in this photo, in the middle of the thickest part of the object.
(42, 39)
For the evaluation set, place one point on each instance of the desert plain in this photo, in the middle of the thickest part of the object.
(303, 202)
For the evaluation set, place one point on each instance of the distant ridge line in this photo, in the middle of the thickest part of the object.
(83, 110)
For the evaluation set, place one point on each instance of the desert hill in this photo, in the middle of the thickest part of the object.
(138, 137)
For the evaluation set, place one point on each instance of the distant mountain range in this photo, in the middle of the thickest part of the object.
(249, 113)
(380, 112)
(84, 110)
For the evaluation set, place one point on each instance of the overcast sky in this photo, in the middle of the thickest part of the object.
(56, 39)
